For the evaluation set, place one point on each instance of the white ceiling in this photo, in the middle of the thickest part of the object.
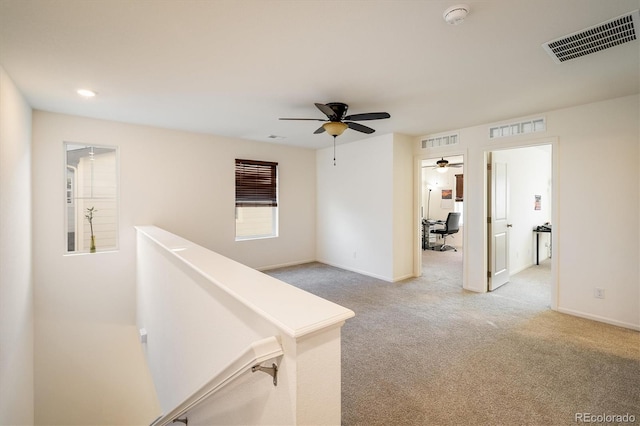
(233, 67)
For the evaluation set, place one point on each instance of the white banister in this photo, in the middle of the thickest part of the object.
(199, 309)
(258, 352)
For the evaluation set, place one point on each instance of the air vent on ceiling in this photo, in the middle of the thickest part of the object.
(445, 140)
(594, 39)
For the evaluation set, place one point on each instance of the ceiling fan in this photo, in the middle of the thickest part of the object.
(338, 121)
(442, 165)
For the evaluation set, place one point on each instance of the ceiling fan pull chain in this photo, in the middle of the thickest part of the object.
(334, 150)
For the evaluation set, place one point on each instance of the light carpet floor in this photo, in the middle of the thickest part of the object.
(426, 352)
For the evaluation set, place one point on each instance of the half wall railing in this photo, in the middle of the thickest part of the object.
(200, 309)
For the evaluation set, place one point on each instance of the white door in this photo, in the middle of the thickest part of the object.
(498, 190)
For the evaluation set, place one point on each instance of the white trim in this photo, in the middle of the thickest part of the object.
(284, 265)
(598, 318)
(358, 271)
(118, 221)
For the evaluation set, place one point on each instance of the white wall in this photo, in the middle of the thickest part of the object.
(403, 217)
(364, 207)
(355, 210)
(583, 138)
(16, 285)
(603, 133)
(180, 181)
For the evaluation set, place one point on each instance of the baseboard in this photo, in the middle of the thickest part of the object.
(357, 271)
(513, 272)
(403, 277)
(598, 318)
(335, 265)
(284, 265)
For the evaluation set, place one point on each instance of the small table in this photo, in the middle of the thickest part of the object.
(538, 230)
(427, 226)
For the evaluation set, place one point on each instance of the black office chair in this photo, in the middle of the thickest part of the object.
(451, 226)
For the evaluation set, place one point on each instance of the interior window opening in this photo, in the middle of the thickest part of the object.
(91, 196)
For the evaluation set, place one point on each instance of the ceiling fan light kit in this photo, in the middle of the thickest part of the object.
(335, 128)
(455, 14)
(442, 165)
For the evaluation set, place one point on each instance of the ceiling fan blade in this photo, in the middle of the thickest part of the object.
(445, 164)
(368, 116)
(454, 166)
(319, 130)
(326, 110)
(359, 127)
(303, 119)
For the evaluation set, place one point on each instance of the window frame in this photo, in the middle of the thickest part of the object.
(256, 186)
(75, 197)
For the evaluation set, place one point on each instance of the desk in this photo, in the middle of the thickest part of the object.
(539, 231)
(427, 226)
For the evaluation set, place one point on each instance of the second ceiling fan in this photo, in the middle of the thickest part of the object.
(442, 165)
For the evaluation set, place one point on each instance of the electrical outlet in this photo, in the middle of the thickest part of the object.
(598, 293)
(143, 335)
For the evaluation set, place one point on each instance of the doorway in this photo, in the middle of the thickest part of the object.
(442, 195)
(520, 203)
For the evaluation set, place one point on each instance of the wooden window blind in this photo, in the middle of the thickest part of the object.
(256, 183)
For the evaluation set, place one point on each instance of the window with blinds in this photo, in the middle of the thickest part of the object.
(256, 199)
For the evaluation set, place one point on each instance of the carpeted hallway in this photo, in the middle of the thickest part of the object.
(426, 352)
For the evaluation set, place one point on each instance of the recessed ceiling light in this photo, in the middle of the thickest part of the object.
(86, 93)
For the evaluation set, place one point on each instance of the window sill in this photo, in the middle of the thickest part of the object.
(266, 237)
(88, 253)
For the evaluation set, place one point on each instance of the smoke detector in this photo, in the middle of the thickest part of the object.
(456, 14)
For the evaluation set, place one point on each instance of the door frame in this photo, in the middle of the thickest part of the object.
(417, 262)
(555, 206)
